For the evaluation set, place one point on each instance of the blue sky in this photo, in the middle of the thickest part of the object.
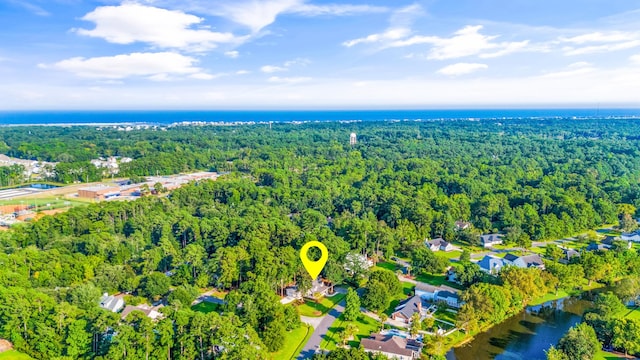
(250, 54)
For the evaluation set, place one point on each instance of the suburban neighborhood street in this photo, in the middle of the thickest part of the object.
(321, 331)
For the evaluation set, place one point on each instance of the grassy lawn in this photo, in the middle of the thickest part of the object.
(387, 266)
(437, 280)
(365, 324)
(450, 255)
(316, 309)
(293, 343)
(603, 355)
(14, 355)
(42, 202)
(630, 313)
(446, 316)
(205, 307)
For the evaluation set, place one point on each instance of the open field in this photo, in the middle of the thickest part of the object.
(205, 307)
(293, 343)
(14, 355)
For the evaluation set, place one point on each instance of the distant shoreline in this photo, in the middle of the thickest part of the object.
(228, 118)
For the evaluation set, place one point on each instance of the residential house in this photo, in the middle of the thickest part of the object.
(490, 240)
(462, 225)
(405, 310)
(393, 347)
(150, 311)
(317, 287)
(357, 263)
(634, 236)
(526, 261)
(594, 246)
(441, 293)
(567, 255)
(611, 240)
(113, 303)
(439, 244)
(491, 264)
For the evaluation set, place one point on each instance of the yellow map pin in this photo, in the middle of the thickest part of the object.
(314, 267)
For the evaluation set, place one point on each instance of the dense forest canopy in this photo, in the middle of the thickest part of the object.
(402, 182)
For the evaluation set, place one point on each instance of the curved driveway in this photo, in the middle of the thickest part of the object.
(321, 331)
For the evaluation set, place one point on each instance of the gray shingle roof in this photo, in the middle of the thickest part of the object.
(409, 307)
(391, 344)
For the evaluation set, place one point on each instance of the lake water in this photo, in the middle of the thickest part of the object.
(526, 335)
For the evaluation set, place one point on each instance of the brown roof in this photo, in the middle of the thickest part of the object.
(388, 344)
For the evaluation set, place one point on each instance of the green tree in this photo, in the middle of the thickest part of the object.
(376, 296)
(352, 307)
(155, 285)
(626, 333)
(580, 342)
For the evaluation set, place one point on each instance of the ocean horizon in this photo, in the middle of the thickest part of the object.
(162, 117)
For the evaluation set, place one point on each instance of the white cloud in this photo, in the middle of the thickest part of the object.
(129, 23)
(635, 59)
(467, 41)
(509, 48)
(573, 70)
(285, 66)
(390, 34)
(570, 51)
(336, 9)
(253, 14)
(461, 69)
(155, 66)
(288, 80)
(613, 36)
(258, 14)
(599, 42)
(272, 69)
(232, 54)
(242, 72)
(35, 9)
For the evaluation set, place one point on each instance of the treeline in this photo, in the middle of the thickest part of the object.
(542, 178)
(401, 183)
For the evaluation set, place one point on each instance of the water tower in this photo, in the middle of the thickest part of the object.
(353, 139)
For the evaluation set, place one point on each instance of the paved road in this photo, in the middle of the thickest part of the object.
(321, 331)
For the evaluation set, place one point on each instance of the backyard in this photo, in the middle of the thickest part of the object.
(365, 325)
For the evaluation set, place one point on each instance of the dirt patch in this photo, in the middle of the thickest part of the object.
(4, 228)
(5, 345)
(8, 209)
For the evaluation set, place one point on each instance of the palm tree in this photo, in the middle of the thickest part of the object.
(383, 318)
(350, 330)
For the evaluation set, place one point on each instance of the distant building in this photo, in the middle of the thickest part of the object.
(353, 139)
(440, 293)
(439, 244)
(634, 236)
(113, 303)
(393, 347)
(462, 225)
(594, 246)
(99, 192)
(491, 264)
(524, 262)
(356, 263)
(150, 311)
(567, 255)
(490, 240)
